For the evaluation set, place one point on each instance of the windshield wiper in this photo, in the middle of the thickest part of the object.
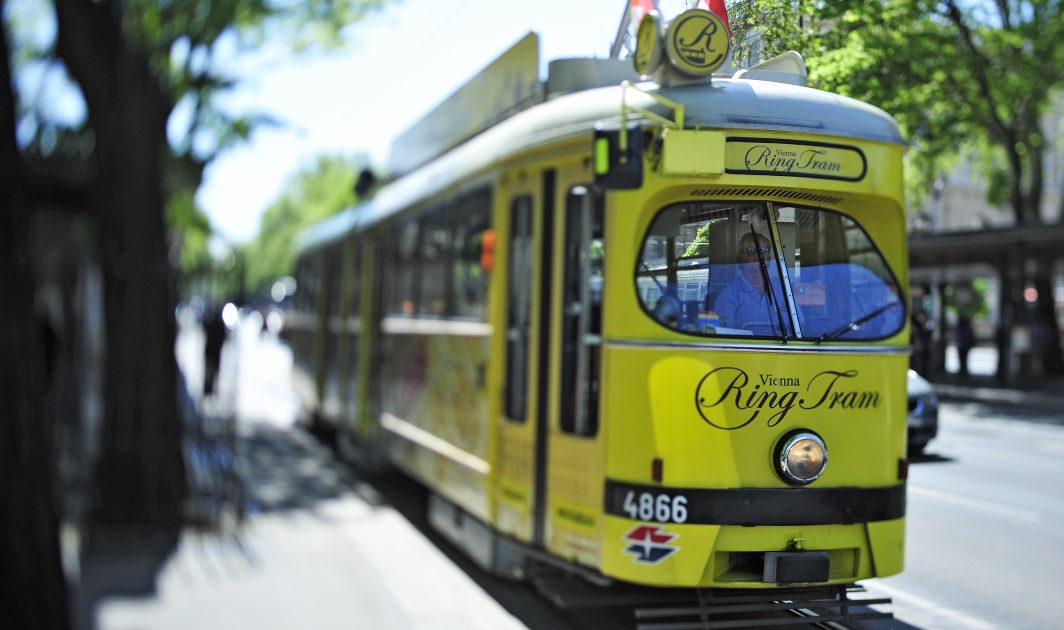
(855, 323)
(768, 285)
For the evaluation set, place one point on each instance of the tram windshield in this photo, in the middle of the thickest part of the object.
(754, 269)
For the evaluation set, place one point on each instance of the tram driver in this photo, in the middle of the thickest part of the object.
(745, 304)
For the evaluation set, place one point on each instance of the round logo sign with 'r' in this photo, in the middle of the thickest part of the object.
(647, 55)
(697, 42)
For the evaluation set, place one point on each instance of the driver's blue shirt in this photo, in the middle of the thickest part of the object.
(740, 305)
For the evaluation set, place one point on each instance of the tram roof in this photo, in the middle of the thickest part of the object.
(723, 104)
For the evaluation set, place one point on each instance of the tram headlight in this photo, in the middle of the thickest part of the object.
(800, 457)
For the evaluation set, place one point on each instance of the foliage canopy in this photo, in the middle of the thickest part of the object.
(319, 191)
(954, 75)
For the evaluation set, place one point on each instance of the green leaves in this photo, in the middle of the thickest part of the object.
(319, 191)
(182, 41)
(700, 246)
(189, 231)
(956, 76)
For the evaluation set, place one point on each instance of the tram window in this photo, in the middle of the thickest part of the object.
(303, 305)
(838, 276)
(473, 250)
(353, 255)
(312, 284)
(355, 278)
(435, 258)
(401, 274)
(334, 268)
(303, 285)
(582, 295)
(737, 269)
(519, 308)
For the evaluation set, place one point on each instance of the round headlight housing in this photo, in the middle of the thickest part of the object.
(800, 457)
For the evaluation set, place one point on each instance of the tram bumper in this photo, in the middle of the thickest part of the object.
(747, 556)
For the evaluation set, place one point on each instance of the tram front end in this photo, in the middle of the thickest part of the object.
(754, 368)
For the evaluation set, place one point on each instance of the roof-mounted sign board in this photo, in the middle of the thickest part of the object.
(507, 85)
(692, 152)
(818, 160)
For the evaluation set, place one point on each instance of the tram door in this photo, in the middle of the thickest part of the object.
(574, 462)
(550, 469)
(521, 227)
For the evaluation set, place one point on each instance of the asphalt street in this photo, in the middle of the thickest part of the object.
(322, 548)
(985, 546)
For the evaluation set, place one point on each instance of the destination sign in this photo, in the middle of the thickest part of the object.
(754, 156)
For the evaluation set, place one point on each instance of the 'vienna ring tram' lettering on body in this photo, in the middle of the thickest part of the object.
(777, 396)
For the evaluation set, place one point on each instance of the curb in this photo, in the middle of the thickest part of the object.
(992, 395)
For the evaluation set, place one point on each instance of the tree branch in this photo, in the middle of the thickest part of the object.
(87, 43)
(983, 66)
(1003, 13)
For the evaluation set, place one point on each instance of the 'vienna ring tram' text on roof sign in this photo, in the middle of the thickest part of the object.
(755, 156)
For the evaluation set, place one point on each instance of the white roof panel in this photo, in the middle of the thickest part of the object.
(723, 104)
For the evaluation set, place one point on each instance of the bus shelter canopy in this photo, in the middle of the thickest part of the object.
(999, 247)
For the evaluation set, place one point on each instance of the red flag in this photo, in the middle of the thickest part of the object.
(638, 9)
(717, 7)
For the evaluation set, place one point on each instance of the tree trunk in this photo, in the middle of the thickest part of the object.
(1060, 211)
(32, 586)
(1035, 165)
(1052, 358)
(140, 479)
(1007, 315)
(1016, 197)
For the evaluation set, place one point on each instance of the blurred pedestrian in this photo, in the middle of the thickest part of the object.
(964, 337)
(214, 327)
(920, 339)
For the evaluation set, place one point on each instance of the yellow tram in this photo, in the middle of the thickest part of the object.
(651, 331)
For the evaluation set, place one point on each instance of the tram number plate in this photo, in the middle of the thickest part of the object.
(663, 508)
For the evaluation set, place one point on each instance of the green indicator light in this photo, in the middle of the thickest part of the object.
(602, 156)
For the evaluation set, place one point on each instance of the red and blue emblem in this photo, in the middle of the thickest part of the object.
(650, 544)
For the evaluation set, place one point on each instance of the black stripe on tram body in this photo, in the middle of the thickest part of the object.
(770, 506)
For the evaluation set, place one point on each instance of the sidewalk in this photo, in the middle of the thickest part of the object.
(319, 548)
(1043, 394)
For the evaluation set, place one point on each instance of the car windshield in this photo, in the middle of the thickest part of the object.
(753, 269)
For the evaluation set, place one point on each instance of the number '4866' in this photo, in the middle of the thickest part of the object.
(663, 508)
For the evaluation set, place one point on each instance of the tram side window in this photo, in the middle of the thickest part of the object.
(519, 308)
(435, 256)
(334, 266)
(473, 256)
(303, 312)
(402, 274)
(306, 287)
(584, 261)
(355, 277)
(334, 271)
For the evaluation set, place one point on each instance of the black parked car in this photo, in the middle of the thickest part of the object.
(923, 413)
